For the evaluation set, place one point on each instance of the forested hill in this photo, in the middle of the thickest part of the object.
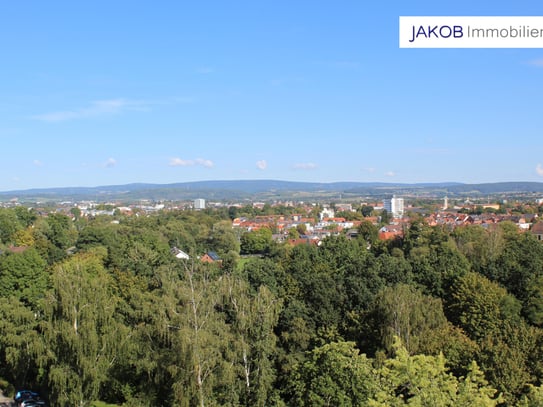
(274, 189)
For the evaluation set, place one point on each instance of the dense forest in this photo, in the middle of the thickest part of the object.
(101, 310)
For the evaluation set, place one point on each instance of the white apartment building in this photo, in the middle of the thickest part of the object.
(199, 204)
(394, 206)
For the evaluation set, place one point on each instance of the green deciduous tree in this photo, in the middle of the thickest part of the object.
(366, 210)
(253, 318)
(204, 373)
(368, 232)
(144, 374)
(519, 267)
(258, 241)
(53, 235)
(533, 306)
(26, 216)
(223, 238)
(334, 374)
(507, 357)
(82, 334)
(481, 307)
(404, 312)
(423, 380)
(264, 271)
(437, 265)
(23, 276)
(9, 225)
(533, 398)
(480, 246)
(21, 347)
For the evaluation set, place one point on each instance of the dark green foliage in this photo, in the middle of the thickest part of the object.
(404, 312)
(334, 375)
(481, 307)
(394, 269)
(506, 356)
(223, 239)
(9, 225)
(368, 232)
(366, 210)
(264, 272)
(519, 267)
(54, 235)
(435, 260)
(385, 217)
(60, 231)
(21, 347)
(23, 276)
(480, 246)
(26, 216)
(533, 306)
(256, 242)
(130, 247)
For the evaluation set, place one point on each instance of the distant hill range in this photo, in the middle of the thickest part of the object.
(269, 190)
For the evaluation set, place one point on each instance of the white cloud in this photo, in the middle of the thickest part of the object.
(390, 174)
(262, 164)
(110, 163)
(95, 109)
(539, 170)
(204, 163)
(304, 166)
(37, 163)
(179, 162)
(371, 170)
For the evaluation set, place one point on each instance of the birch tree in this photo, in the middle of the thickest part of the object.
(80, 331)
(253, 319)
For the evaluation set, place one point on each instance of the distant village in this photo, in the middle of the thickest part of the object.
(313, 222)
(399, 219)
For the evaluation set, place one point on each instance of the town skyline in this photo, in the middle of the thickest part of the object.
(277, 190)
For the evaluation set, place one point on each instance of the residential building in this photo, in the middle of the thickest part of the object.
(344, 207)
(326, 213)
(391, 232)
(394, 206)
(537, 230)
(199, 204)
(180, 254)
(210, 257)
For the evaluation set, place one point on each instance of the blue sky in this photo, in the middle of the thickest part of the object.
(114, 92)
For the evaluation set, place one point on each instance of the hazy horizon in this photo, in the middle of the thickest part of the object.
(241, 181)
